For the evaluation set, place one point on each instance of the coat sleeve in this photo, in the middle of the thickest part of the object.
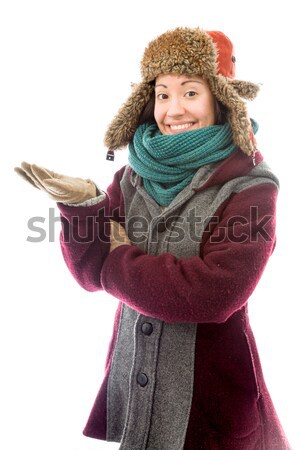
(208, 288)
(85, 235)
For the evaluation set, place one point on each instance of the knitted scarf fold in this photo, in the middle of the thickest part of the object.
(167, 163)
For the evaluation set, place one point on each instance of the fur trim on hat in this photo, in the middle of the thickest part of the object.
(182, 51)
(245, 89)
(187, 51)
(122, 128)
(238, 118)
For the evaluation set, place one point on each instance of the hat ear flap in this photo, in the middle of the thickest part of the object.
(245, 89)
(122, 128)
(238, 117)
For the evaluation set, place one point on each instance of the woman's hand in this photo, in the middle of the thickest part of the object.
(60, 188)
(118, 236)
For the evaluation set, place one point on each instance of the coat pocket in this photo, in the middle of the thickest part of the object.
(226, 389)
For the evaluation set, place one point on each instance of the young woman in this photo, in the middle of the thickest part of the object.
(198, 205)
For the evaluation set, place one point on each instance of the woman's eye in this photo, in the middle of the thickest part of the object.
(162, 96)
(191, 94)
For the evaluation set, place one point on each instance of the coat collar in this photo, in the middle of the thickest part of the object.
(236, 165)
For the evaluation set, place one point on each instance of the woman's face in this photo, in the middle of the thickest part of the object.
(183, 103)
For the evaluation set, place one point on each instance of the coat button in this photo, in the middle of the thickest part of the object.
(142, 379)
(147, 328)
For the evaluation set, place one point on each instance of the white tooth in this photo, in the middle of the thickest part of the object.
(180, 127)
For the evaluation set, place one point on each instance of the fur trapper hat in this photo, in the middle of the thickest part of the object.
(189, 51)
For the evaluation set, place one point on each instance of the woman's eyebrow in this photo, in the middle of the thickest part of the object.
(163, 85)
(192, 81)
(182, 84)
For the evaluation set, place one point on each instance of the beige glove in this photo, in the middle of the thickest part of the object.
(59, 187)
(118, 236)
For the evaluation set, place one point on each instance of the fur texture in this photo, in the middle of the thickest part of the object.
(189, 51)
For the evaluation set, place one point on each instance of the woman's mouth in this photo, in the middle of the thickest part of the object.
(180, 127)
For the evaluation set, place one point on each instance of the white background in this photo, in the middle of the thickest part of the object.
(66, 67)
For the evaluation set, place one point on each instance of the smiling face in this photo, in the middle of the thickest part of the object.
(183, 103)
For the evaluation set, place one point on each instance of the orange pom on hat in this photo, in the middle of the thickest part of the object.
(226, 58)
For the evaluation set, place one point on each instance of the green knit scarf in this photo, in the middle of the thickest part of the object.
(167, 163)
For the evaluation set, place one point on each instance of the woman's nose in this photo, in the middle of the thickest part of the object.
(175, 108)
